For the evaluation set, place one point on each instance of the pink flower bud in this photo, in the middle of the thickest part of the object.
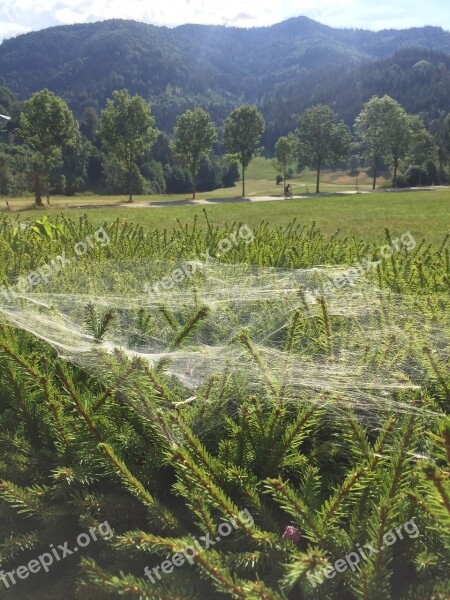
(292, 533)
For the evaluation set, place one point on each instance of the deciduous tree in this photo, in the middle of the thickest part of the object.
(47, 126)
(321, 138)
(194, 135)
(242, 131)
(384, 128)
(285, 154)
(422, 148)
(127, 130)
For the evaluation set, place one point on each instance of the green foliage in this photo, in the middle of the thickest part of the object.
(178, 179)
(348, 85)
(119, 181)
(74, 166)
(286, 152)
(15, 166)
(385, 130)
(193, 136)
(154, 172)
(241, 133)
(422, 148)
(399, 137)
(47, 126)
(44, 228)
(127, 130)
(321, 138)
(89, 124)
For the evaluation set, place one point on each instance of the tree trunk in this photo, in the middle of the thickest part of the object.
(319, 165)
(394, 180)
(284, 180)
(441, 165)
(375, 173)
(243, 181)
(194, 185)
(130, 196)
(37, 190)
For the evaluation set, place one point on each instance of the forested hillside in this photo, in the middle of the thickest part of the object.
(284, 68)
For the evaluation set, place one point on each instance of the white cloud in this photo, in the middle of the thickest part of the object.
(8, 30)
(36, 14)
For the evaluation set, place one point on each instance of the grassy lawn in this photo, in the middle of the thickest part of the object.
(425, 214)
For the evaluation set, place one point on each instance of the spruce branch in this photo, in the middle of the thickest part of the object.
(160, 514)
(27, 501)
(289, 501)
(244, 339)
(126, 585)
(188, 329)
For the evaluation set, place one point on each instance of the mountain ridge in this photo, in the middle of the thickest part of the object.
(289, 64)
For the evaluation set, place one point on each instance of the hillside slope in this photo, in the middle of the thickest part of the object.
(283, 68)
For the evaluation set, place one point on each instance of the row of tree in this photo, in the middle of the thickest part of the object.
(62, 151)
(127, 131)
(125, 144)
(384, 133)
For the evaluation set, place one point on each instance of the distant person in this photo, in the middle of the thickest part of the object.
(288, 190)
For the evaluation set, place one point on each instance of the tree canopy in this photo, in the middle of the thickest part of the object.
(47, 126)
(127, 130)
(242, 131)
(194, 135)
(321, 138)
(383, 127)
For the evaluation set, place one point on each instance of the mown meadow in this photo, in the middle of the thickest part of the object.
(232, 394)
(364, 216)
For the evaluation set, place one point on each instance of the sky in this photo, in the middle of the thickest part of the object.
(21, 16)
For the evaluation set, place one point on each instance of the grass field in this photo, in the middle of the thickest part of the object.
(425, 214)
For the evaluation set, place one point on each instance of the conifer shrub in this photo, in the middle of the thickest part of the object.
(162, 465)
